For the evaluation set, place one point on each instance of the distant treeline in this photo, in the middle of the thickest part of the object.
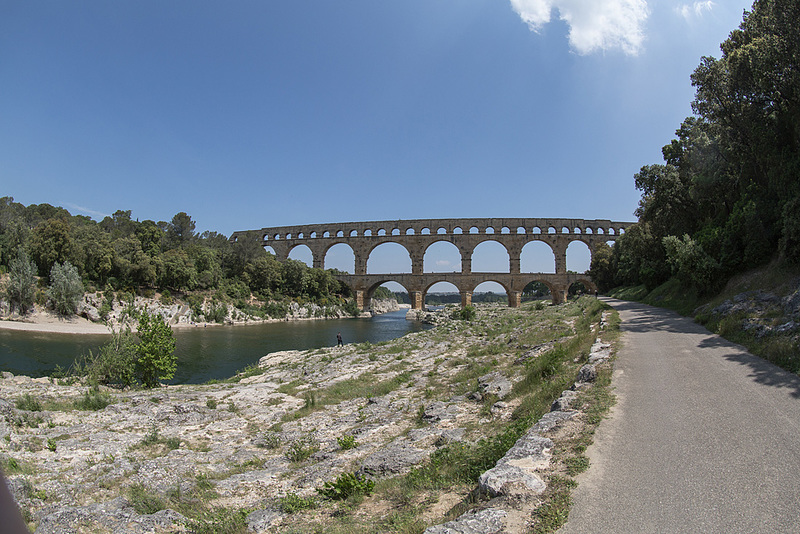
(122, 254)
(532, 291)
(727, 197)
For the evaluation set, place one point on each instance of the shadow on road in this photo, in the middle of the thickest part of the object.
(766, 373)
(644, 318)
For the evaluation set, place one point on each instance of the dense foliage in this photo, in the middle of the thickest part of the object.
(122, 254)
(727, 197)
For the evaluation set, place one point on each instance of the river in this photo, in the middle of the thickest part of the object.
(204, 354)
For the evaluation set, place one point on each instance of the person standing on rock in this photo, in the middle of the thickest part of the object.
(339, 342)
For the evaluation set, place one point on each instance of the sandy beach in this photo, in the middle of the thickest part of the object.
(45, 322)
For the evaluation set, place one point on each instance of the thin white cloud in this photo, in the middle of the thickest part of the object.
(87, 211)
(443, 263)
(694, 10)
(594, 25)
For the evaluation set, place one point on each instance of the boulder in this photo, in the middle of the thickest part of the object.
(510, 480)
(489, 521)
(495, 384)
(396, 459)
(587, 373)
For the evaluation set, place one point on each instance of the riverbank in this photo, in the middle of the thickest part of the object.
(248, 454)
(177, 316)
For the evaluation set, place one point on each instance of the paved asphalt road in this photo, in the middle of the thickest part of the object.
(705, 437)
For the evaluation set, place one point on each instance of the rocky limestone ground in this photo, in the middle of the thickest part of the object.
(282, 430)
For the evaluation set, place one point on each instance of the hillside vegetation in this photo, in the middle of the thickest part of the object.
(727, 197)
(719, 220)
(52, 257)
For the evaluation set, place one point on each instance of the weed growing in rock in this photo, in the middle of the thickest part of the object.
(347, 485)
(144, 501)
(93, 400)
(294, 503)
(301, 449)
(347, 442)
(29, 403)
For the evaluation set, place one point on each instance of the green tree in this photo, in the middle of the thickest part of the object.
(177, 271)
(66, 289)
(150, 236)
(21, 286)
(666, 202)
(132, 267)
(155, 351)
(51, 243)
(603, 267)
(180, 230)
(690, 264)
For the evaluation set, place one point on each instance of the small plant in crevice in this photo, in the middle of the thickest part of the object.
(292, 503)
(300, 449)
(347, 442)
(347, 485)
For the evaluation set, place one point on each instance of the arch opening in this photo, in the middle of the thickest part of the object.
(537, 257)
(579, 257)
(490, 257)
(440, 293)
(441, 257)
(302, 253)
(341, 257)
(389, 258)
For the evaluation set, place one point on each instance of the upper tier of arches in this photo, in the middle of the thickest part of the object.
(439, 227)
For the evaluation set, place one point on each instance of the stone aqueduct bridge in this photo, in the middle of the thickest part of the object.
(466, 234)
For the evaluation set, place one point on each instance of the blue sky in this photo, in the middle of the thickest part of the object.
(247, 114)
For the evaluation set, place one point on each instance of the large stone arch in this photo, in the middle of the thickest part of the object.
(533, 278)
(301, 252)
(338, 262)
(488, 240)
(389, 243)
(579, 256)
(538, 256)
(441, 243)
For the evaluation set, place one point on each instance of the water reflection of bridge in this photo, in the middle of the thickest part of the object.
(416, 236)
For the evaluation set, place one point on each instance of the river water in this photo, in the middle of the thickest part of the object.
(204, 354)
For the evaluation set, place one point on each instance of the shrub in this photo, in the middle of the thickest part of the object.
(21, 286)
(347, 442)
(467, 313)
(66, 289)
(115, 362)
(155, 351)
(28, 402)
(276, 310)
(294, 503)
(301, 449)
(93, 400)
(347, 485)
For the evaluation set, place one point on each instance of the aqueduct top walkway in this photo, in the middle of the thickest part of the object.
(466, 234)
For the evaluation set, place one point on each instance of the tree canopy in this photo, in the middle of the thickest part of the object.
(727, 197)
(120, 253)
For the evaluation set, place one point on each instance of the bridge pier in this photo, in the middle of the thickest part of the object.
(362, 300)
(466, 299)
(417, 301)
(514, 299)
